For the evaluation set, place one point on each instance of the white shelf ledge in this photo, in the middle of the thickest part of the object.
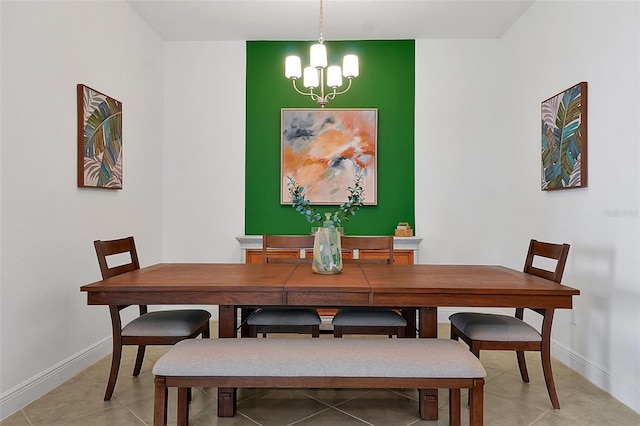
(254, 242)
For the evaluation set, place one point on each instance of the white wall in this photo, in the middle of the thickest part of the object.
(478, 193)
(47, 223)
(204, 151)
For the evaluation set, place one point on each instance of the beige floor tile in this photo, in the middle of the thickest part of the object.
(16, 419)
(593, 406)
(333, 397)
(209, 417)
(331, 417)
(382, 408)
(279, 407)
(200, 402)
(62, 403)
(533, 393)
(500, 411)
(116, 415)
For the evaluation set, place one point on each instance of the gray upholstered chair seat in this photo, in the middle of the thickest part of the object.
(368, 317)
(167, 323)
(492, 327)
(320, 357)
(288, 316)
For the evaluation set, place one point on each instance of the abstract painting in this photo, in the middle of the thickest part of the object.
(564, 139)
(99, 140)
(325, 149)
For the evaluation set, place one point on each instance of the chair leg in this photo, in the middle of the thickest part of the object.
(522, 364)
(337, 331)
(548, 377)
(315, 331)
(139, 358)
(453, 334)
(115, 366)
(206, 333)
(475, 350)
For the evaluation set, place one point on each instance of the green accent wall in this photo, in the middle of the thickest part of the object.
(386, 82)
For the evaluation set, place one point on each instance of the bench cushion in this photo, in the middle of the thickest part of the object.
(420, 358)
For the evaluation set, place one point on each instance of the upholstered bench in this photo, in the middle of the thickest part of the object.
(319, 363)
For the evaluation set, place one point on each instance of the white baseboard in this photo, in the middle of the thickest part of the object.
(30, 390)
(618, 387)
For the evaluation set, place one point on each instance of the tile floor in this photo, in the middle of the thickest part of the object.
(508, 401)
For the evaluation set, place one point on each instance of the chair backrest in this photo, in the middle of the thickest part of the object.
(104, 249)
(278, 248)
(557, 252)
(377, 249)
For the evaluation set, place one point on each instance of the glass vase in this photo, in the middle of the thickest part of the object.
(327, 254)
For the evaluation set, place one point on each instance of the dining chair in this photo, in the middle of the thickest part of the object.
(149, 328)
(285, 249)
(378, 249)
(482, 331)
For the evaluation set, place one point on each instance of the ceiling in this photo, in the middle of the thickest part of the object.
(202, 20)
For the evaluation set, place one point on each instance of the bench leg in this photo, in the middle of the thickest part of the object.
(428, 320)
(226, 402)
(454, 407)
(160, 402)
(428, 400)
(476, 404)
(183, 406)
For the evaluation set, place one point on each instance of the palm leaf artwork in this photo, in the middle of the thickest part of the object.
(102, 140)
(563, 141)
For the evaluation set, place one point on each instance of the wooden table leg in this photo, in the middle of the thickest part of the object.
(410, 315)
(428, 322)
(428, 318)
(244, 316)
(227, 320)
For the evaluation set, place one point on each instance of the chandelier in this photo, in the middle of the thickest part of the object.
(314, 75)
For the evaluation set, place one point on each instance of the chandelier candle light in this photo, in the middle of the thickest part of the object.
(314, 75)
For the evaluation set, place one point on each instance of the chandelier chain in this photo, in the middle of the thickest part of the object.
(321, 38)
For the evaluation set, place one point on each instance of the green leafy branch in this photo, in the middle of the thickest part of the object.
(344, 212)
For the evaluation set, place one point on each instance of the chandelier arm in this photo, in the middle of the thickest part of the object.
(335, 92)
(310, 93)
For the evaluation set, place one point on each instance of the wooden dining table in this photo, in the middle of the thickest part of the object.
(421, 288)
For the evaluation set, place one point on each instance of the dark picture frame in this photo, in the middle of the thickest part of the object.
(564, 139)
(99, 139)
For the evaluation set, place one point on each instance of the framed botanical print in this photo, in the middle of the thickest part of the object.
(99, 140)
(564, 139)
